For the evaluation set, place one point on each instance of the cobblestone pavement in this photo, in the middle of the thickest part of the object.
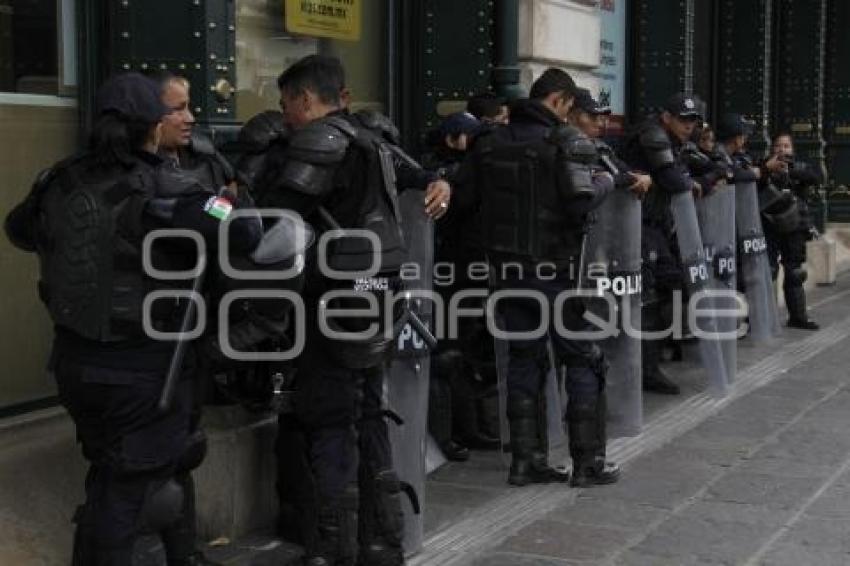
(761, 477)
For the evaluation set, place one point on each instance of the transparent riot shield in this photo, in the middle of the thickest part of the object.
(755, 266)
(407, 377)
(613, 282)
(716, 215)
(696, 277)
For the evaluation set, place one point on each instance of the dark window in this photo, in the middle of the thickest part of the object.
(28, 46)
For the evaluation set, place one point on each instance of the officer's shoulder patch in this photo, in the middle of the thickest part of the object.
(218, 207)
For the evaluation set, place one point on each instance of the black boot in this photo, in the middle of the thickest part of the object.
(586, 422)
(179, 539)
(795, 301)
(381, 522)
(654, 379)
(335, 542)
(440, 405)
(466, 428)
(529, 461)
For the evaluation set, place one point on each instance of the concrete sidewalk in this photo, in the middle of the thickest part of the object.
(761, 477)
(758, 478)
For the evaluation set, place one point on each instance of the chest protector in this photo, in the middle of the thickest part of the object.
(528, 188)
(89, 245)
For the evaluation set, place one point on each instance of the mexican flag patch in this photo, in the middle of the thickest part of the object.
(218, 207)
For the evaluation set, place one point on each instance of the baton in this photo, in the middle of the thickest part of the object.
(176, 365)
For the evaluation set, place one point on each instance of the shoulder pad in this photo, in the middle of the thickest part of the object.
(654, 137)
(202, 144)
(379, 123)
(577, 146)
(321, 142)
(169, 182)
(258, 133)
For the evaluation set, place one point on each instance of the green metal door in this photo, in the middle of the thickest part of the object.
(445, 56)
(191, 38)
(837, 93)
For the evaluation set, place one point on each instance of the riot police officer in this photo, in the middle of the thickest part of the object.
(187, 150)
(86, 218)
(335, 170)
(534, 183)
(460, 372)
(787, 244)
(654, 147)
(588, 116)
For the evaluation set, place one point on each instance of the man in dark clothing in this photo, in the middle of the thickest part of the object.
(788, 245)
(535, 187)
(654, 147)
(457, 380)
(332, 170)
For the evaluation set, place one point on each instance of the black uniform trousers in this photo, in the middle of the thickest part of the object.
(789, 249)
(334, 439)
(132, 449)
(528, 359)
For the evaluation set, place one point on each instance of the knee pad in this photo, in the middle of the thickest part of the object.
(163, 505)
(193, 453)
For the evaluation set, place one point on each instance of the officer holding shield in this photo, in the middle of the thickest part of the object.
(655, 147)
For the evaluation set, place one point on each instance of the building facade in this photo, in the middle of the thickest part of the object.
(781, 62)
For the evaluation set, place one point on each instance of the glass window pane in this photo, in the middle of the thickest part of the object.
(28, 46)
(264, 49)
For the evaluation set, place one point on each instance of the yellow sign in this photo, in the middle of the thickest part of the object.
(339, 19)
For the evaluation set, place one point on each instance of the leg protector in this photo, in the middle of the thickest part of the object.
(335, 541)
(382, 521)
(529, 462)
(179, 537)
(585, 416)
